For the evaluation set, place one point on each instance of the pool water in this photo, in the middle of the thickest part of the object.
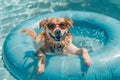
(88, 35)
(12, 12)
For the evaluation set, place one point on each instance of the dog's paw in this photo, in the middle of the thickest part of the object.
(87, 61)
(26, 31)
(40, 68)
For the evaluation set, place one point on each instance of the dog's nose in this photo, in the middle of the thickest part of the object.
(57, 32)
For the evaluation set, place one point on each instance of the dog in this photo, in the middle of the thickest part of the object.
(56, 38)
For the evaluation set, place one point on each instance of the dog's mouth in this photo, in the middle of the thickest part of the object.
(58, 38)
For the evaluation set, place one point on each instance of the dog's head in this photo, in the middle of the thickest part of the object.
(56, 28)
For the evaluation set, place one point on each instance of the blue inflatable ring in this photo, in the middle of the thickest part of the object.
(19, 50)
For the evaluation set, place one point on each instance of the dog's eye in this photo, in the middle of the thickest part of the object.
(62, 24)
(51, 26)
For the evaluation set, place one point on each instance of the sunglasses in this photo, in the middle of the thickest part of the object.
(52, 25)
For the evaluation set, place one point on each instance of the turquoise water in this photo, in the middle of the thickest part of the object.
(12, 12)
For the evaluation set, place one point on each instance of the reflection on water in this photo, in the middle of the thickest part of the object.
(12, 12)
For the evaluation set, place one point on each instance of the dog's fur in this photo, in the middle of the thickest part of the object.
(56, 39)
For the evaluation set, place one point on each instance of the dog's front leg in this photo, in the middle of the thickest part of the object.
(30, 32)
(41, 62)
(77, 51)
(85, 56)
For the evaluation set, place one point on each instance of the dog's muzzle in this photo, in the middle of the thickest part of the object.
(58, 37)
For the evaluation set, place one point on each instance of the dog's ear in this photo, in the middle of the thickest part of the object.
(43, 23)
(69, 22)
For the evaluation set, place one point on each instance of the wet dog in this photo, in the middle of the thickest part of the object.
(56, 39)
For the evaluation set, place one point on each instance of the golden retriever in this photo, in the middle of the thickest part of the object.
(56, 39)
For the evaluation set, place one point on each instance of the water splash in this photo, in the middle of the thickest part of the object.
(91, 44)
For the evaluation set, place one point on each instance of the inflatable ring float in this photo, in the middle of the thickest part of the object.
(100, 31)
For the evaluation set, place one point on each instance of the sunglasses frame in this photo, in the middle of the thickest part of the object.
(62, 25)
